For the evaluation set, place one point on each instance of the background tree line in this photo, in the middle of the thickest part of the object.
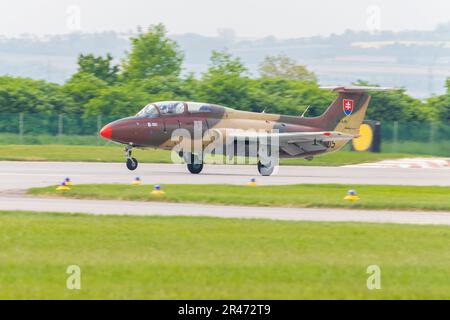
(152, 71)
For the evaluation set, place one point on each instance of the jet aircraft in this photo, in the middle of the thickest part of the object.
(296, 136)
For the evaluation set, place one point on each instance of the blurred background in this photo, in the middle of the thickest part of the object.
(68, 67)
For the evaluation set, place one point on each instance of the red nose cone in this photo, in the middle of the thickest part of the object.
(106, 132)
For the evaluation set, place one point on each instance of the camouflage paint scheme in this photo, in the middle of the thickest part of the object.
(155, 132)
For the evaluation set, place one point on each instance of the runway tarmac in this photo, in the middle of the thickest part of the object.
(102, 207)
(22, 175)
(16, 177)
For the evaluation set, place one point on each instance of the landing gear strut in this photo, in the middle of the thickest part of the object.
(265, 170)
(266, 162)
(195, 165)
(132, 163)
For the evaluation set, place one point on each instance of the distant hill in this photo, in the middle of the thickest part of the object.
(417, 60)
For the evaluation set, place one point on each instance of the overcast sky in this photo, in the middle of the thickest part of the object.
(249, 18)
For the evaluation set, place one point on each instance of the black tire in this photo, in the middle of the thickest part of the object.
(132, 164)
(195, 168)
(264, 170)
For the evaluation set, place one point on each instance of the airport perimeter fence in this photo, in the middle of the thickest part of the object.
(23, 128)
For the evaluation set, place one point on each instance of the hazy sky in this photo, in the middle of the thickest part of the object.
(249, 18)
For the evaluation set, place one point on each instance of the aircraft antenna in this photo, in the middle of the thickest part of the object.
(304, 112)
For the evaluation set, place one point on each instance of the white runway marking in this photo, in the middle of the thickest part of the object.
(410, 163)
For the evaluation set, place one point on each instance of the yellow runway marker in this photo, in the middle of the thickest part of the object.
(62, 187)
(157, 191)
(351, 196)
(68, 182)
(136, 182)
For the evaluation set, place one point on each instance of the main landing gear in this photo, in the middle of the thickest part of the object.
(195, 165)
(265, 169)
(132, 163)
(266, 162)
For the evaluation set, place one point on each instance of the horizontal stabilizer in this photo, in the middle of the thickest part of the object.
(357, 89)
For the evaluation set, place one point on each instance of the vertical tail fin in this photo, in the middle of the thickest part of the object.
(347, 112)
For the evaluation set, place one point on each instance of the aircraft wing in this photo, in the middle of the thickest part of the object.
(295, 137)
(297, 143)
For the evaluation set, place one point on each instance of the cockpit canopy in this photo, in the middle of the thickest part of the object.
(157, 109)
(148, 111)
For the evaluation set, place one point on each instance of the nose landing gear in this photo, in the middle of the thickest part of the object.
(132, 163)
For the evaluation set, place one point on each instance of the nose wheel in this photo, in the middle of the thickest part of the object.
(132, 163)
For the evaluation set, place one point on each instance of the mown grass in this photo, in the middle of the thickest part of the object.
(319, 195)
(211, 258)
(437, 147)
(440, 148)
(46, 139)
(115, 154)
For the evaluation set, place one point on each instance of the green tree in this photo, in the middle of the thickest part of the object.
(225, 82)
(83, 87)
(40, 101)
(281, 66)
(290, 97)
(440, 105)
(32, 96)
(119, 101)
(168, 88)
(153, 54)
(100, 67)
(128, 98)
(395, 106)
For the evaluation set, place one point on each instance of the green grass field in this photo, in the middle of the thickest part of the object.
(47, 139)
(211, 258)
(439, 148)
(116, 154)
(320, 195)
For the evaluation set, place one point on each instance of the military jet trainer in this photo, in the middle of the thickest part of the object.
(296, 136)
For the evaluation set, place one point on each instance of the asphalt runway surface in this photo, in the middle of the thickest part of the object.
(140, 208)
(22, 175)
(16, 177)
